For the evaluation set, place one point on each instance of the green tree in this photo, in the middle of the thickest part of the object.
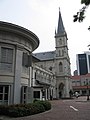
(81, 13)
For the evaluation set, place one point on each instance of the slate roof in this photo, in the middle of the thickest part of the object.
(45, 55)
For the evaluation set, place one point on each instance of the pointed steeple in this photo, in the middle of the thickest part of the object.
(55, 31)
(60, 28)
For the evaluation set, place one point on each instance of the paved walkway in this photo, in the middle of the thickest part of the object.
(48, 115)
(59, 111)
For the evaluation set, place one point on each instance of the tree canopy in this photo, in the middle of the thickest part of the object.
(81, 13)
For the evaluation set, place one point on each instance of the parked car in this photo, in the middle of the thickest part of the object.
(76, 94)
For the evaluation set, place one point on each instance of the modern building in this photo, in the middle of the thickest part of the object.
(81, 84)
(58, 61)
(83, 63)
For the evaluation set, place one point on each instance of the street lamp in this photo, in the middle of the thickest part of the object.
(87, 89)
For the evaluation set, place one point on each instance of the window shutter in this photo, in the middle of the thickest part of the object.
(25, 60)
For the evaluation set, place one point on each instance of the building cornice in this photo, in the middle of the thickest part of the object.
(16, 29)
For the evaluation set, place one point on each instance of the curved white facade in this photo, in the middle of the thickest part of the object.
(16, 45)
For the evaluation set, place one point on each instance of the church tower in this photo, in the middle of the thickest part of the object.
(62, 61)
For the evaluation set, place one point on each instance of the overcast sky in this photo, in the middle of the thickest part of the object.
(41, 17)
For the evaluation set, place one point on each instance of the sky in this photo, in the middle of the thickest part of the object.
(41, 17)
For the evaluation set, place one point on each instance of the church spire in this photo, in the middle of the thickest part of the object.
(60, 28)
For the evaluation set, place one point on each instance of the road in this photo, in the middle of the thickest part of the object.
(76, 109)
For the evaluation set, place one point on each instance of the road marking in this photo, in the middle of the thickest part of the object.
(73, 108)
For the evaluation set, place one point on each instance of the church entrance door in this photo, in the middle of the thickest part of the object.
(61, 86)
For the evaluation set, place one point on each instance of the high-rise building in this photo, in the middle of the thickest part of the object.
(83, 63)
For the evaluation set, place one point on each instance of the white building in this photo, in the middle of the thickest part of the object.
(16, 46)
(44, 83)
(20, 79)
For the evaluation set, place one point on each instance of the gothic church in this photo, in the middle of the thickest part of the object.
(58, 61)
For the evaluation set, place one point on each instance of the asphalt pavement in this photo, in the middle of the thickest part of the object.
(75, 109)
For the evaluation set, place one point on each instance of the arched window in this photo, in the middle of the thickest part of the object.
(60, 41)
(60, 67)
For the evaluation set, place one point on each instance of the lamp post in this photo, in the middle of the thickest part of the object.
(87, 89)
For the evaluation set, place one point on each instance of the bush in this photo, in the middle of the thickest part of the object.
(20, 110)
(46, 104)
(37, 108)
(3, 110)
(25, 110)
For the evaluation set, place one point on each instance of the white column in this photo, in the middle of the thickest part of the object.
(30, 77)
(30, 88)
(17, 80)
(46, 94)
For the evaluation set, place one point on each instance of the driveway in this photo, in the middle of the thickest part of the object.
(76, 109)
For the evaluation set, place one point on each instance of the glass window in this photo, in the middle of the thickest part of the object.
(6, 55)
(43, 93)
(6, 97)
(1, 96)
(25, 88)
(6, 59)
(23, 94)
(1, 89)
(4, 91)
(36, 94)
